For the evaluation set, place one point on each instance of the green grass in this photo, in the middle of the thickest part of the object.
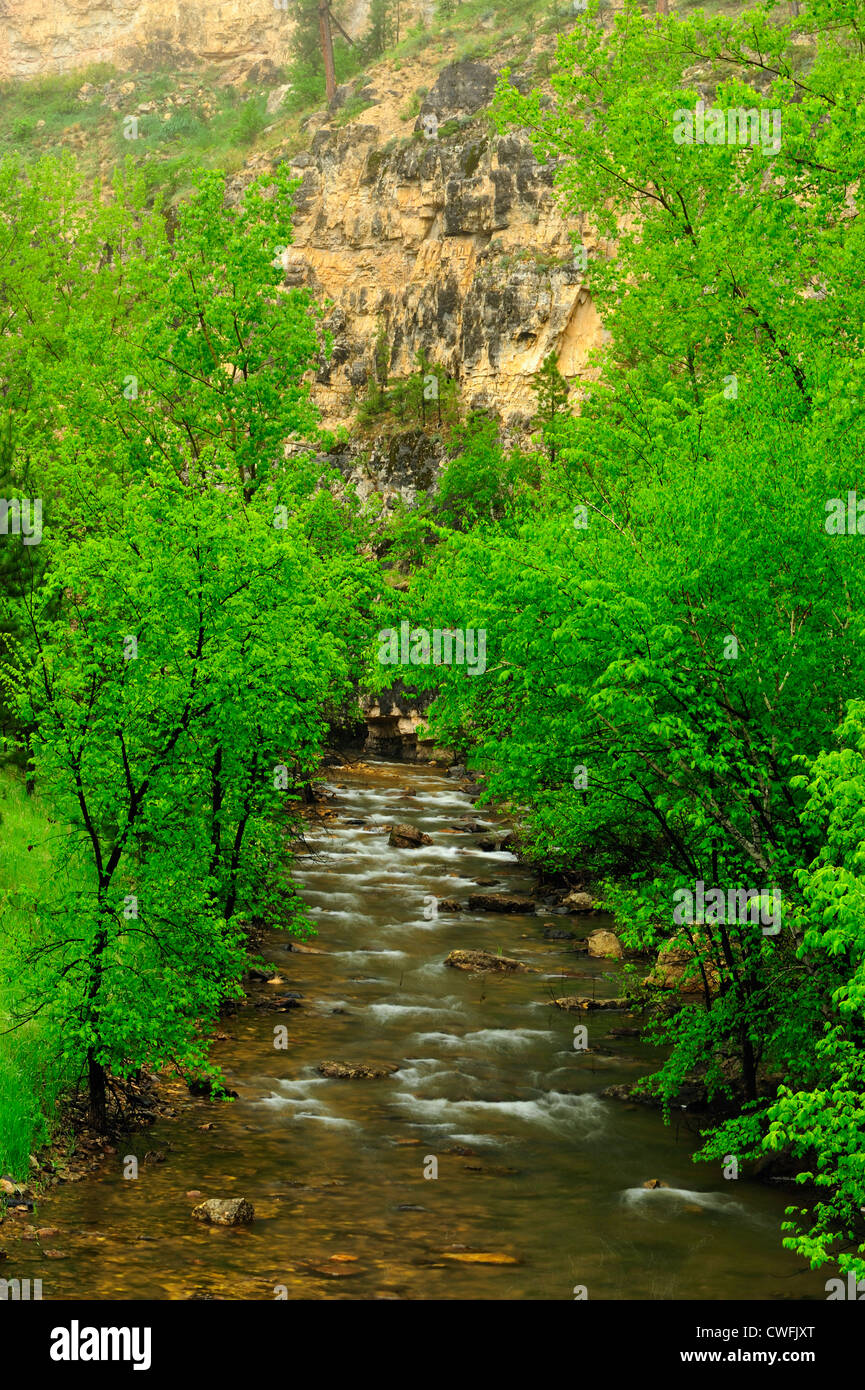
(31, 1081)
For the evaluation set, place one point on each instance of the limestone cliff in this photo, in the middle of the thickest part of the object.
(453, 243)
(40, 37)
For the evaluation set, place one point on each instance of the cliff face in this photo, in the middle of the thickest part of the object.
(453, 244)
(40, 37)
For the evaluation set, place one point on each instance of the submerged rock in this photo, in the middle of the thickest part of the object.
(225, 1211)
(483, 960)
(281, 1003)
(478, 1257)
(354, 1071)
(408, 837)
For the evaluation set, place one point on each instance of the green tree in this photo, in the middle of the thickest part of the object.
(551, 391)
(195, 625)
(383, 30)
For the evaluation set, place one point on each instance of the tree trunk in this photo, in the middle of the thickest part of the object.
(327, 48)
(95, 1070)
(749, 1069)
(96, 1088)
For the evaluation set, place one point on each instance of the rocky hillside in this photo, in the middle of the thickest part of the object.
(416, 221)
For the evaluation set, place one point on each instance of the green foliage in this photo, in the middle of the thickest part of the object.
(199, 610)
(426, 399)
(480, 482)
(251, 121)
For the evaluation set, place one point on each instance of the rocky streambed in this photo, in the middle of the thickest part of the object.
(413, 1118)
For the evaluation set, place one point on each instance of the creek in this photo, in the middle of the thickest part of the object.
(536, 1172)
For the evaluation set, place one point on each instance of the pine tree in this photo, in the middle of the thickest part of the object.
(552, 392)
(383, 28)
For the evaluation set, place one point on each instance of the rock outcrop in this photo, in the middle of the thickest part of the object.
(677, 968)
(393, 718)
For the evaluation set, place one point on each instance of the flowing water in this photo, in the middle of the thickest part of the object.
(533, 1166)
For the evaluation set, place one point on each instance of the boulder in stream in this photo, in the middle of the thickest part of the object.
(500, 902)
(354, 1071)
(580, 902)
(605, 943)
(225, 1211)
(408, 837)
(483, 960)
(579, 1003)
